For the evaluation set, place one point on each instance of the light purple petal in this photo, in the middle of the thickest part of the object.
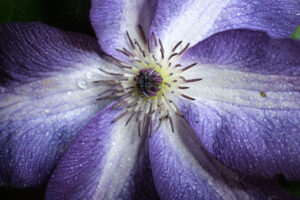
(106, 161)
(246, 68)
(182, 169)
(195, 20)
(46, 97)
(112, 18)
(255, 142)
(248, 104)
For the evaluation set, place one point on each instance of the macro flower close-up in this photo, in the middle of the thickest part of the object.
(186, 99)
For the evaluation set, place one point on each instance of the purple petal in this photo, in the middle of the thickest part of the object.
(46, 97)
(246, 68)
(182, 169)
(255, 142)
(106, 161)
(112, 18)
(248, 104)
(194, 20)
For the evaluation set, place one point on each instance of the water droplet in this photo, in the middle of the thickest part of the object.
(82, 84)
(89, 75)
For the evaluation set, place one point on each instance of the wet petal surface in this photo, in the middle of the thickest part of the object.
(46, 97)
(107, 161)
(182, 169)
(248, 103)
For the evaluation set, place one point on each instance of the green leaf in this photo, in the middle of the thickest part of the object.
(296, 33)
(291, 186)
(70, 15)
(21, 11)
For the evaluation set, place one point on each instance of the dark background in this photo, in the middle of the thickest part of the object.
(70, 15)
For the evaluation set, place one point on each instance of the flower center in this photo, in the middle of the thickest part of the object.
(148, 82)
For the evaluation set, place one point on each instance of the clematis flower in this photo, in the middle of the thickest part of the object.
(175, 104)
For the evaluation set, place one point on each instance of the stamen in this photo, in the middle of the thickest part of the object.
(189, 67)
(109, 90)
(141, 50)
(171, 123)
(171, 56)
(123, 52)
(127, 51)
(153, 56)
(147, 82)
(167, 84)
(138, 115)
(154, 38)
(187, 97)
(111, 82)
(193, 80)
(149, 47)
(160, 122)
(130, 41)
(128, 120)
(175, 47)
(184, 49)
(162, 51)
(110, 73)
(105, 97)
(183, 88)
(142, 33)
(139, 128)
(151, 124)
(119, 117)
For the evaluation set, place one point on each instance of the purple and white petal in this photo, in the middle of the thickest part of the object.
(46, 97)
(195, 20)
(112, 18)
(182, 169)
(247, 110)
(108, 160)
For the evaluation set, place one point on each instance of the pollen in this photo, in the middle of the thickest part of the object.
(148, 81)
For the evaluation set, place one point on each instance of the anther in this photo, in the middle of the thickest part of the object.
(187, 97)
(142, 33)
(183, 88)
(154, 38)
(105, 97)
(193, 80)
(123, 52)
(167, 84)
(110, 73)
(119, 117)
(139, 47)
(149, 47)
(127, 51)
(128, 120)
(171, 123)
(184, 49)
(130, 41)
(175, 47)
(171, 56)
(162, 53)
(189, 67)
